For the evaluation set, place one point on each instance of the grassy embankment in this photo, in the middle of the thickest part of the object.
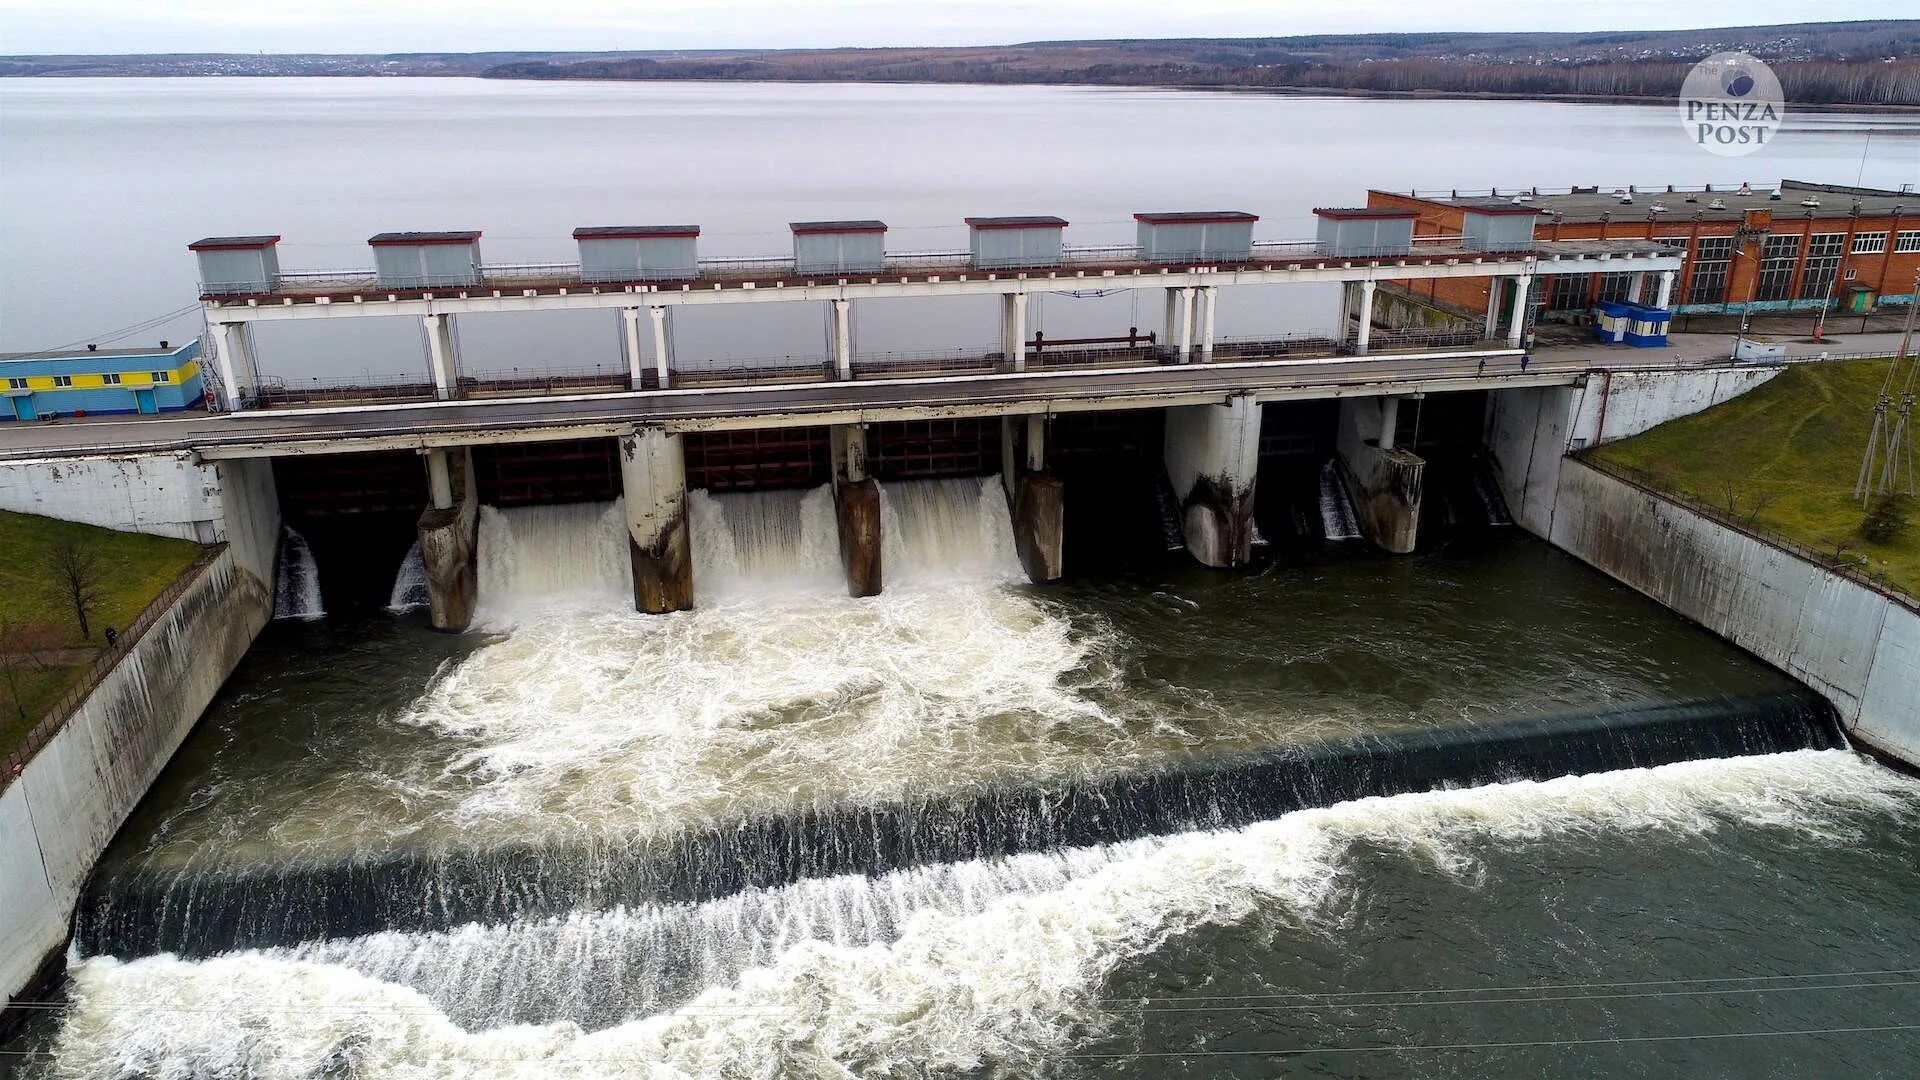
(41, 650)
(1783, 460)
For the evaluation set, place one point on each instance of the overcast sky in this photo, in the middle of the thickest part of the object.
(107, 26)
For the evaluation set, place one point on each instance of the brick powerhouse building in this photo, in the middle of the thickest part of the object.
(1748, 249)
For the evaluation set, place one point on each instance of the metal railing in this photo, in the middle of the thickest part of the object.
(62, 710)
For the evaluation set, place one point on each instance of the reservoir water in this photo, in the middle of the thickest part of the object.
(1474, 811)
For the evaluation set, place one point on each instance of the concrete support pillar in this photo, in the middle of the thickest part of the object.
(1035, 496)
(1389, 421)
(1212, 457)
(448, 533)
(630, 344)
(1493, 309)
(1636, 285)
(662, 345)
(1013, 330)
(439, 480)
(1364, 334)
(441, 357)
(1383, 481)
(1184, 348)
(1208, 296)
(1170, 329)
(653, 476)
(230, 356)
(842, 334)
(856, 501)
(1516, 333)
(1665, 295)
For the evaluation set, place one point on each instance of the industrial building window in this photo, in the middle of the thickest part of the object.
(1614, 287)
(1906, 240)
(1823, 265)
(1712, 256)
(111, 378)
(162, 376)
(63, 380)
(16, 384)
(1569, 293)
(1869, 243)
(1778, 257)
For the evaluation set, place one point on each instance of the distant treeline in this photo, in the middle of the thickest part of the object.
(1814, 82)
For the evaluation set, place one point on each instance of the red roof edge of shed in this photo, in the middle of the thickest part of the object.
(1343, 212)
(421, 239)
(233, 243)
(1204, 218)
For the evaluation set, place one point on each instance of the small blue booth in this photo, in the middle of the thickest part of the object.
(1639, 325)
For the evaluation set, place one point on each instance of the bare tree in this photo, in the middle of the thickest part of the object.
(74, 562)
(16, 657)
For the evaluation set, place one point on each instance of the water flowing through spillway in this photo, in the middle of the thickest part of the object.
(1337, 521)
(669, 838)
(998, 966)
(297, 590)
(409, 582)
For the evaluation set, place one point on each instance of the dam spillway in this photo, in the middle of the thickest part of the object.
(647, 835)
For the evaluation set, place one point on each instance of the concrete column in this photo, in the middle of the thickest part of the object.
(230, 357)
(448, 533)
(439, 479)
(653, 477)
(1013, 330)
(662, 345)
(630, 338)
(1493, 308)
(1208, 296)
(1666, 289)
(1389, 421)
(1364, 334)
(1184, 349)
(842, 340)
(856, 501)
(440, 357)
(1212, 457)
(1383, 481)
(1516, 333)
(1036, 497)
(1636, 285)
(1170, 331)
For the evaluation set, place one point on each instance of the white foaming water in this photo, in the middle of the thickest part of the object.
(297, 593)
(1337, 521)
(750, 544)
(533, 557)
(943, 530)
(1010, 980)
(409, 582)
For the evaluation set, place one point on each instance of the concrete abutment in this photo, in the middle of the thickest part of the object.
(856, 501)
(653, 476)
(1212, 457)
(1036, 498)
(449, 531)
(1384, 482)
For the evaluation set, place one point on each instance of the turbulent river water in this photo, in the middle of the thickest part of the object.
(972, 828)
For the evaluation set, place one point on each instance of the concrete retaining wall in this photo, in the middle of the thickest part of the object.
(1859, 647)
(160, 494)
(1630, 402)
(60, 813)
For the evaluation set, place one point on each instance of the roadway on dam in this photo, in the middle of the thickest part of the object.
(336, 429)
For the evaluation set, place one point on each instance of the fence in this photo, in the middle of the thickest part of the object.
(69, 703)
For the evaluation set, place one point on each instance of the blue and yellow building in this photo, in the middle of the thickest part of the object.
(93, 382)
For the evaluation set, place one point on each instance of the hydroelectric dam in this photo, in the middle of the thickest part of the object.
(1156, 702)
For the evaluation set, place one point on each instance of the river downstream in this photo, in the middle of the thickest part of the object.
(790, 834)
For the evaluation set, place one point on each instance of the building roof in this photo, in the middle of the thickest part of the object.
(1194, 217)
(1498, 206)
(232, 243)
(1343, 212)
(386, 238)
(1595, 204)
(83, 353)
(615, 232)
(1040, 222)
(837, 226)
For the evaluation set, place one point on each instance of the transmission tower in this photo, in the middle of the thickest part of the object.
(1898, 455)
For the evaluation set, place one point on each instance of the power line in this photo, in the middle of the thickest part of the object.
(114, 335)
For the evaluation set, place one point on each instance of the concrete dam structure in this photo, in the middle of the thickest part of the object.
(888, 712)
